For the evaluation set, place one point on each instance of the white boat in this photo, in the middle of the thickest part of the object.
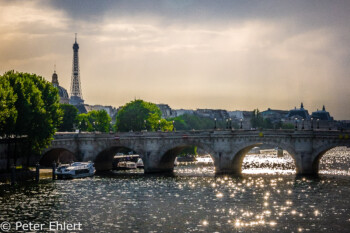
(140, 164)
(75, 170)
(126, 165)
(204, 160)
(131, 165)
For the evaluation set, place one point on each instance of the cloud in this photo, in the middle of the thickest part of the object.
(205, 54)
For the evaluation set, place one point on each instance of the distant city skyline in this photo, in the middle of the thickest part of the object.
(231, 55)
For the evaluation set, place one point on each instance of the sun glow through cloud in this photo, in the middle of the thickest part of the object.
(188, 62)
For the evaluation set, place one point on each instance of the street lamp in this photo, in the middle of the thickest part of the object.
(241, 123)
(173, 126)
(303, 124)
(94, 123)
(318, 123)
(226, 123)
(296, 124)
(110, 126)
(312, 123)
(159, 125)
(144, 124)
(230, 123)
(215, 123)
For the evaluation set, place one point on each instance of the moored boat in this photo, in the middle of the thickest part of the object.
(75, 170)
(126, 165)
(204, 160)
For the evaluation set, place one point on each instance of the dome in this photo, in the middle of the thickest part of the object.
(322, 115)
(301, 112)
(62, 92)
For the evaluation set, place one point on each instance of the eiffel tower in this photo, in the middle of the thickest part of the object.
(76, 96)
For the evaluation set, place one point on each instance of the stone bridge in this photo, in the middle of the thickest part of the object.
(227, 148)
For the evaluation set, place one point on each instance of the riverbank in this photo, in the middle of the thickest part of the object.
(25, 175)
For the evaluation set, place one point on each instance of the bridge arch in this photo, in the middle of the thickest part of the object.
(168, 153)
(57, 155)
(321, 151)
(103, 160)
(241, 150)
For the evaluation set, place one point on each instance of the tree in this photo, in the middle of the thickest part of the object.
(139, 115)
(102, 120)
(69, 119)
(8, 112)
(267, 124)
(84, 123)
(38, 112)
(94, 121)
(166, 125)
(281, 125)
(257, 121)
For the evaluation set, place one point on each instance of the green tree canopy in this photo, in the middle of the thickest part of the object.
(37, 106)
(139, 115)
(257, 121)
(94, 121)
(8, 111)
(70, 114)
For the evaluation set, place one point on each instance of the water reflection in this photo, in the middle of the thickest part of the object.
(336, 162)
(192, 200)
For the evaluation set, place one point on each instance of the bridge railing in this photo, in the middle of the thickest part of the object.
(270, 132)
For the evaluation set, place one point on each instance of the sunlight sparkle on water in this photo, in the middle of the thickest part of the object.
(219, 195)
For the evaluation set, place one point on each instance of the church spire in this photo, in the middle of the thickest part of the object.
(55, 77)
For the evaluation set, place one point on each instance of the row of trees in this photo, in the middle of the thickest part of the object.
(140, 115)
(134, 116)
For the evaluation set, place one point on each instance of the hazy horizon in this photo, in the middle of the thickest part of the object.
(188, 54)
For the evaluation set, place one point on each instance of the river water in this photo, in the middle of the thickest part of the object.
(268, 197)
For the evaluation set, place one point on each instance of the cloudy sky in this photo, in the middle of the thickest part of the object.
(188, 53)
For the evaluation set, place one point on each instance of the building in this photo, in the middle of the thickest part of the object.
(64, 98)
(299, 113)
(166, 111)
(76, 97)
(322, 115)
(274, 115)
(111, 111)
(236, 114)
(180, 112)
(323, 119)
(219, 114)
